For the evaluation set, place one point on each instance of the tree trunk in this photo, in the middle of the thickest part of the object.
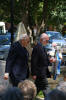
(45, 13)
(42, 27)
(25, 13)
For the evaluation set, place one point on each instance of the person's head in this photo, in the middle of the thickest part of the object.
(62, 87)
(28, 89)
(56, 95)
(54, 45)
(64, 74)
(65, 77)
(24, 39)
(44, 39)
(2, 90)
(13, 93)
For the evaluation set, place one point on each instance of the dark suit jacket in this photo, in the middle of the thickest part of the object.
(39, 61)
(17, 62)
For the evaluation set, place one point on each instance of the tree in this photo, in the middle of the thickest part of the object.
(53, 10)
(41, 12)
(4, 10)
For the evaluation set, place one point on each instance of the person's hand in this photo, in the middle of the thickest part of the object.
(6, 76)
(34, 77)
(52, 60)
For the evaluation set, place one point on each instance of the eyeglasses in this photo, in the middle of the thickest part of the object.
(47, 41)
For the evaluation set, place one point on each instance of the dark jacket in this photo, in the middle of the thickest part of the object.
(17, 62)
(39, 61)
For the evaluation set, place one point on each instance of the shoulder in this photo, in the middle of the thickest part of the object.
(37, 50)
(38, 46)
(14, 46)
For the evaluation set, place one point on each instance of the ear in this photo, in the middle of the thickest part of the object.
(41, 40)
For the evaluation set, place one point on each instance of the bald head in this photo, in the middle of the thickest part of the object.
(44, 38)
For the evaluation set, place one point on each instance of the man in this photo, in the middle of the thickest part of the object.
(28, 89)
(13, 93)
(17, 61)
(56, 95)
(62, 83)
(39, 64)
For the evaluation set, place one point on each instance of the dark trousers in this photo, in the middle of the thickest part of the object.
(13, 80)
(41, 84)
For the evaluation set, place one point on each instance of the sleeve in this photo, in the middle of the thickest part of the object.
(48, 59)
(48, 73)
(10, 59)
(43, 55)
(60, 55)
(34, 60)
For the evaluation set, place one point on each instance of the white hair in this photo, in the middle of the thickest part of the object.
(62, 86)
(23, 36)
(43, 36)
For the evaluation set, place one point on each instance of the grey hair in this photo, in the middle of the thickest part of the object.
(23, 36)
(62, 86)
(28, 89)
(43, 36)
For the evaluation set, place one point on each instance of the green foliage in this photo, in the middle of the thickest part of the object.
(57, 15)
(55, 11)
(4, 10)
(36, 10)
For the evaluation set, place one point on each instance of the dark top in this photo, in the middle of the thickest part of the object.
(17, 61)
(39, 61)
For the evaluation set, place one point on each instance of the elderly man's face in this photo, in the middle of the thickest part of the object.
(25, 42)
(45, 41)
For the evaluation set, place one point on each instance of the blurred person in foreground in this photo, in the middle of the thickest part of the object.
(62, 83)
(13, 93)
(56, 95)
(17, 61)
(28, 89)
(39, 64)
(2, 90)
